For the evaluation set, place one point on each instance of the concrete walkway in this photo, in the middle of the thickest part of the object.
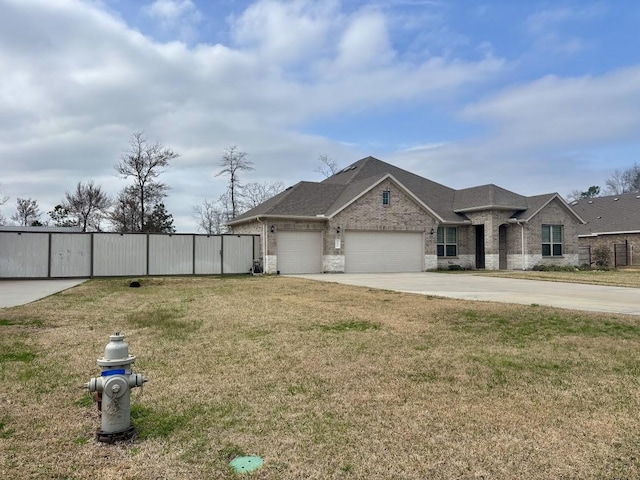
(20, 292)
(477, 287)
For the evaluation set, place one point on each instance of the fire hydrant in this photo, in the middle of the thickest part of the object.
(114, 387)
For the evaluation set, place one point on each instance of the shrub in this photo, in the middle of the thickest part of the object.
(601, 256)
(540, 267)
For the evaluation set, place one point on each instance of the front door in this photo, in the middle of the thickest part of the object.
(480, 246)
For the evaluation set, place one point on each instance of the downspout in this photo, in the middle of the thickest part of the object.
(264, 244)
(524, 257)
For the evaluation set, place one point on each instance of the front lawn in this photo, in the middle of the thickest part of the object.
(322, 381)
(617, 278)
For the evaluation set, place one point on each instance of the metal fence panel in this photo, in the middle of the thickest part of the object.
(24, 255)
(170, 254)
(70, 254)
(208, 260)
(620, 254)
(119, 254)
(237, 254)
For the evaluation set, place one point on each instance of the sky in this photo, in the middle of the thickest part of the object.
(533, 96)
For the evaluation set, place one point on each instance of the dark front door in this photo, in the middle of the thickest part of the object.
(479, 246)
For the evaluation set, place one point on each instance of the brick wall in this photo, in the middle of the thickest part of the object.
(633, 240)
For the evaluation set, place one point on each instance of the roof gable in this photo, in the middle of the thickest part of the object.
(538, 202)
(361, 188)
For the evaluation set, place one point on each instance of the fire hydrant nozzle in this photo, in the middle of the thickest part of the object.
(113, 389)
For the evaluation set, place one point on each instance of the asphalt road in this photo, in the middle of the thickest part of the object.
(20, 292)
(477, 287)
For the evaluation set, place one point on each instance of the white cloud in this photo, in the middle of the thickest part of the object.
(285, 32)
(549, 28)
(178, 15)
(557, 112)
(364, 44)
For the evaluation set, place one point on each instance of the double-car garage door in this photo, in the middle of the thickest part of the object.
(372, 252)
(365, 252)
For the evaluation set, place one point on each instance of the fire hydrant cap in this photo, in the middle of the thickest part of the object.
(116, 352)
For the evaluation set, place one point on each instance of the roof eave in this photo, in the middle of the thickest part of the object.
(622, 232)
(490, 207)
(316, 218)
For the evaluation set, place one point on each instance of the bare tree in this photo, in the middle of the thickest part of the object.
(28, 212)
(327, 166)
(233, 162)
(253, 194)
(210, 217)
(3, 200)
(144, 162)
(125, 214)
(88, 203)
(624, 181)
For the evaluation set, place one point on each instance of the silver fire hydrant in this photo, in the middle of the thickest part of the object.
(113, 389)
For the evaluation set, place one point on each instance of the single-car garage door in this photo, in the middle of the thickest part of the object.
(299, 252)
(370, 252)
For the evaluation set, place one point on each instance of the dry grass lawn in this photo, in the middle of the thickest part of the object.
(618, 278)
(323, 381)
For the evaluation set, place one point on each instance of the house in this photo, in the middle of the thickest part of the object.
(374, 217)
(612, 221)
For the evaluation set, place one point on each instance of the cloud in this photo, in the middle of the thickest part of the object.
(77, 81)
(565, 112)
(176, 15)
(551, 28)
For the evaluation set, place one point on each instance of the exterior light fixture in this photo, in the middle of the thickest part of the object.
(338, 230)
(273, 228)
(433, 231)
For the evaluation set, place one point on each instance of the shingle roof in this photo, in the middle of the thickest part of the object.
(488, 196)
(613, 213)
(312, 199)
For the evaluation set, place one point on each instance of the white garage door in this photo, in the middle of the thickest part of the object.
(299, 252)
(383, 252)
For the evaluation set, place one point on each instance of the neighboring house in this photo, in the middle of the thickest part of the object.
(374, 217)
(612, 221)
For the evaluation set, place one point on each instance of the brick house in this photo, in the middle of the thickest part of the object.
(374, 217)
(612, 221)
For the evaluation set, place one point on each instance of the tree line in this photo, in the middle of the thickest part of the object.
(139, 206)
(621, 181)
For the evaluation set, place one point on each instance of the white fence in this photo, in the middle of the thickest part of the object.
(60, 255)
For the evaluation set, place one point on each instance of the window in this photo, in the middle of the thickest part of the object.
(552, 240)
(447, 241)
(386, 197)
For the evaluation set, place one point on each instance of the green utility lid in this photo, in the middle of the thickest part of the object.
(246, 464)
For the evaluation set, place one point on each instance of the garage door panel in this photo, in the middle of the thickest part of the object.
(371, 252)
(299, 252)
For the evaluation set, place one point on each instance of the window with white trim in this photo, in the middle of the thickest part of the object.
(447, 241)
(386, 197)
(552, 236)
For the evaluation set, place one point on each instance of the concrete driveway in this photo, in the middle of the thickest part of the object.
(19, 292)
(477, 287)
